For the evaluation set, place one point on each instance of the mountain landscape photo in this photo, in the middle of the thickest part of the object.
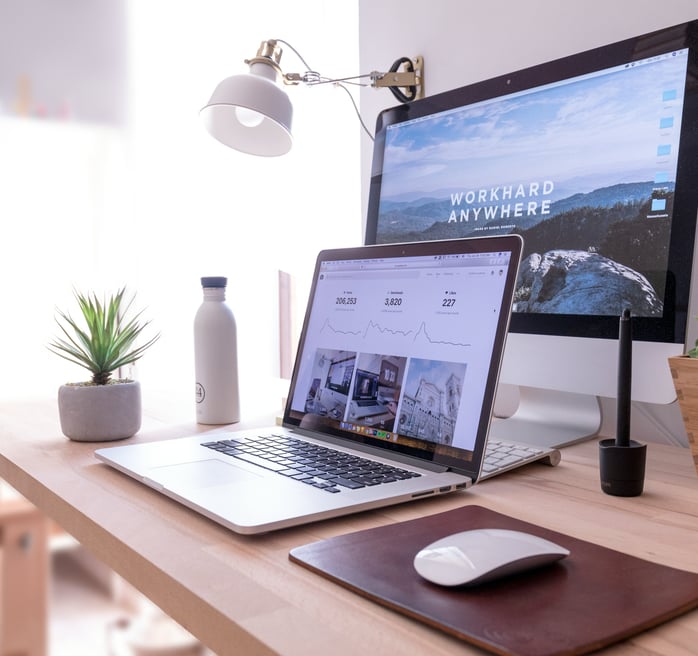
(590, 254)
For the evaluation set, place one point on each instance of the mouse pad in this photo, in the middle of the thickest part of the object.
(592, 598)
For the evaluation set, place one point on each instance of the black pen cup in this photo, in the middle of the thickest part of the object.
(622, 468)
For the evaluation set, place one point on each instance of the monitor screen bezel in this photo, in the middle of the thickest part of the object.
(671, 328)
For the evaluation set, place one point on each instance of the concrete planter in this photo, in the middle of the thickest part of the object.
(684, 372)
(99, 413)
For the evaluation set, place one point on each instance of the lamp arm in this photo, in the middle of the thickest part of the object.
(311, 78)
(406, 84)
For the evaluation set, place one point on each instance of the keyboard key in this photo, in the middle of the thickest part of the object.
(345, 482)
(288, 472)
(262, 462)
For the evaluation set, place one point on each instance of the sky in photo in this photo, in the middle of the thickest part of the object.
(589, 133)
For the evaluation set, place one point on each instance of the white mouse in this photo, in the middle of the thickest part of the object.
(484, 554)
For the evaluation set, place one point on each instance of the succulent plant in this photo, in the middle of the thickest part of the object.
(107, 342)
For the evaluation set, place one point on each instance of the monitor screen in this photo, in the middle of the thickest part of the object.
(591, 158)
(365, 386)
(339, 374)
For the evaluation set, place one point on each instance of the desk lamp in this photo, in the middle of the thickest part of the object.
(252, 113)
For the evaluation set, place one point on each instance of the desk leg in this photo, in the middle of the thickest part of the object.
(24, 576)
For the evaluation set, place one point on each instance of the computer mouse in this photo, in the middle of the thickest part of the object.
(479, 555)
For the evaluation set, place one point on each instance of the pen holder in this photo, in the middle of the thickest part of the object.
(622, 468)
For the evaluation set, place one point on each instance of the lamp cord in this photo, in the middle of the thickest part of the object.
(298, 54)
(356, 109)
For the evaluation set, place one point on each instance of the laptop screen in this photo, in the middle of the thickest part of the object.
(401, 345)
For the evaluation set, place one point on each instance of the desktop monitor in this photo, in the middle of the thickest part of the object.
(593, 159)
(365, 386)
(339, 374)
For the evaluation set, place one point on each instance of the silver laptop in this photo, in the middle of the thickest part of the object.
(390, 398)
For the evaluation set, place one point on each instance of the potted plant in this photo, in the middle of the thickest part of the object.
(684, 372)
(103, 408)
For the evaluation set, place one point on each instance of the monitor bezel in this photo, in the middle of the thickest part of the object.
(671, 328)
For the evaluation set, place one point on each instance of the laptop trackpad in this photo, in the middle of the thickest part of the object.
(200, 473)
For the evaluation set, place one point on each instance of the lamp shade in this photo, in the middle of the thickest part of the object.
(251, 113)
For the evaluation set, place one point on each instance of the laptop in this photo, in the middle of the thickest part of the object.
(390, 398)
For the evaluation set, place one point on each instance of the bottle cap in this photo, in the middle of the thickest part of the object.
(214, 281)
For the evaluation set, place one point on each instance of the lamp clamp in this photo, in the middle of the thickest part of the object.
(410, 80)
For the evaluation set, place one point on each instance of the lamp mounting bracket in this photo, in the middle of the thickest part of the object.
(410, 80)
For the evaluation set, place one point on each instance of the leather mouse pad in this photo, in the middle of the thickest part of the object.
(594, 597)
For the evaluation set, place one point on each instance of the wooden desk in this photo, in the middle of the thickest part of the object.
(241, 595)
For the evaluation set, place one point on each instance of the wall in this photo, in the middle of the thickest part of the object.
(150, 200)
(203, 209)
(63, 59)
(464, 41)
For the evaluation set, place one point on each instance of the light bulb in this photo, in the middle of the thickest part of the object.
(248, 117)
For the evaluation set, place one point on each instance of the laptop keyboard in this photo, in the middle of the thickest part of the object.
(501, 456)
(333, 471)
(324, 468)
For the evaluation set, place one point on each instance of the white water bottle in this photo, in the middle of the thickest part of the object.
(215, 357)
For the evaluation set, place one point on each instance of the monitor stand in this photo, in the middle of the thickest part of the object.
(549, 418)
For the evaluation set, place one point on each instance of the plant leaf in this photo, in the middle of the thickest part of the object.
(107, 340)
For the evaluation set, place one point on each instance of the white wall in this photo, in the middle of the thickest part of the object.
(203, 209)
(156, 203)
(464, 41)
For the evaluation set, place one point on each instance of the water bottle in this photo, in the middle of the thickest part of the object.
(215, 357)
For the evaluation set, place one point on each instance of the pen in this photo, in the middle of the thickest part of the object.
(625, 358)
